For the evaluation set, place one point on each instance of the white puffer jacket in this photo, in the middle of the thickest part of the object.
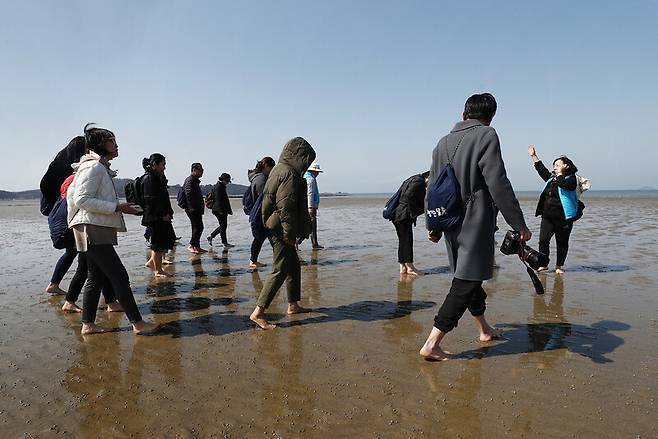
(92, 198)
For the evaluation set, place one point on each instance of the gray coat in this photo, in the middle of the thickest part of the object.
(480, 170)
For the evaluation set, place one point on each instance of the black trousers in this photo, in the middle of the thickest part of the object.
(222, 218)
(106, 267)
(314, 226)
(562, 230)
(256, 246)
(196, 219)
(405, 241)
(63, 265)
(463, 295)
(78, 281)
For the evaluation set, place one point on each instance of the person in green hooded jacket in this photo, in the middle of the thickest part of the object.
(286, 217)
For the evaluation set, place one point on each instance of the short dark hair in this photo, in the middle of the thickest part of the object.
(571, 169)
(196, 166)
(95, 138)
(225, 177)
(480, 106)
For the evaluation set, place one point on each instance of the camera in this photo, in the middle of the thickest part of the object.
(512, 244)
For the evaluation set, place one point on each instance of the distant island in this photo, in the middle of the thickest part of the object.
(234, 191)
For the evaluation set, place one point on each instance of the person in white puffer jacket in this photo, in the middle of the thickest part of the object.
(95, 215)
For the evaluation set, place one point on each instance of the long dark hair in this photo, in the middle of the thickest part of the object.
(154, 159)
(95, 138)
(265, 161)
(571, 168)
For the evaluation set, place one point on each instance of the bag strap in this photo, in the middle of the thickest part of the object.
(458, 144)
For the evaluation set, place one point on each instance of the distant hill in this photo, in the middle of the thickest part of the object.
(234, 190)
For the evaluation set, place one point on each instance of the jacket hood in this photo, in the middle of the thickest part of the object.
(251, 174)
(92, 157)
(298, 154)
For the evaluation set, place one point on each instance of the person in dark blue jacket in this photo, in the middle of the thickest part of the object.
(558, 206)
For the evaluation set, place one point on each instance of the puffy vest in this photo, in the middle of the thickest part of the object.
(568, 199)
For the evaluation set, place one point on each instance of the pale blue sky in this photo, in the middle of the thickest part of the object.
(372, 85)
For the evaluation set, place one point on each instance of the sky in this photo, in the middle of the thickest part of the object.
(372, 85)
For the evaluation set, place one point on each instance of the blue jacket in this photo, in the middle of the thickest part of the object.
(568, 200)
(312, 190)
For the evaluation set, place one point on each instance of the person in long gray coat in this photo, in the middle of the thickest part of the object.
(474, 151)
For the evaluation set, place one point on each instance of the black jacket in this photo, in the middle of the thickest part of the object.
(193, 195)
(58, 170)
(550, 205)
(412, 199)
(221, 204)
(156, 198)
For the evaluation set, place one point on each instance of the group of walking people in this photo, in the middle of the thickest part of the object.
(285, 198)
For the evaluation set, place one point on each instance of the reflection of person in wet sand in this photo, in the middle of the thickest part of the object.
(285, 215)
(473, 149)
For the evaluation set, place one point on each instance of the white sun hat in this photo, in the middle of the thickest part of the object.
(315, 166)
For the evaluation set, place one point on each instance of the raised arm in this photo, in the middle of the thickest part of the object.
(543, 172)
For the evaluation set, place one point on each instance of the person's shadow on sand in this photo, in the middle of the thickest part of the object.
(592, 341)
(221, 323)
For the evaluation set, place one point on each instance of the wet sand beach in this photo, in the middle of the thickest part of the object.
(580, 361)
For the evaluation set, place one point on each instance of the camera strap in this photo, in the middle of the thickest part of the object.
(539, 287)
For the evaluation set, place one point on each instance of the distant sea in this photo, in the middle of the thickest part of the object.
(530, 194)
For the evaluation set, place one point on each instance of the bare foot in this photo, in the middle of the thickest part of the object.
(434, 354)
(412, 270)
(145, 328)
(260, 320)
(70, 307)
(92, 328)
(491, 334)
(295, 308)
(166, 262)
(201, 250)
(161, 274)
(540, 269)
(192, 249)
(114, 307)
(256, 264)
(559, 270)
(403, 269)
(54, 289)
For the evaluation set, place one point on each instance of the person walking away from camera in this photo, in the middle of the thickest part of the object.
(473, 149)
(313, 194)
(195, 207)
(158, 213)
(221, 208)
(286, 217)
(410, 206)
(257, 178)
(558, 206)
(95, 215)
(80, 275)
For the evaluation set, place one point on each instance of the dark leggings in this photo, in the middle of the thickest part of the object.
(562, 230)
(63, 265)
(78, 281)
(405, 241)
(222, 218)
(256, 246)
(463, 295)
(105, 267)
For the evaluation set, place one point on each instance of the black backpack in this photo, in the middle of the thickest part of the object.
(391, 205)
(133, 192)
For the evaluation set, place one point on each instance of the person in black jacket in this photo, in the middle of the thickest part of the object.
(221, 208)
(58, 170)
(411, 205)
(257, 178)
(195, 207)
(158, 213)
(558, 206)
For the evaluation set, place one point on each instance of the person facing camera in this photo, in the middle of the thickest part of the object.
(557, 206)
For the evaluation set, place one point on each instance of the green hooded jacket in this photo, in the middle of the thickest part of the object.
(285, 208)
